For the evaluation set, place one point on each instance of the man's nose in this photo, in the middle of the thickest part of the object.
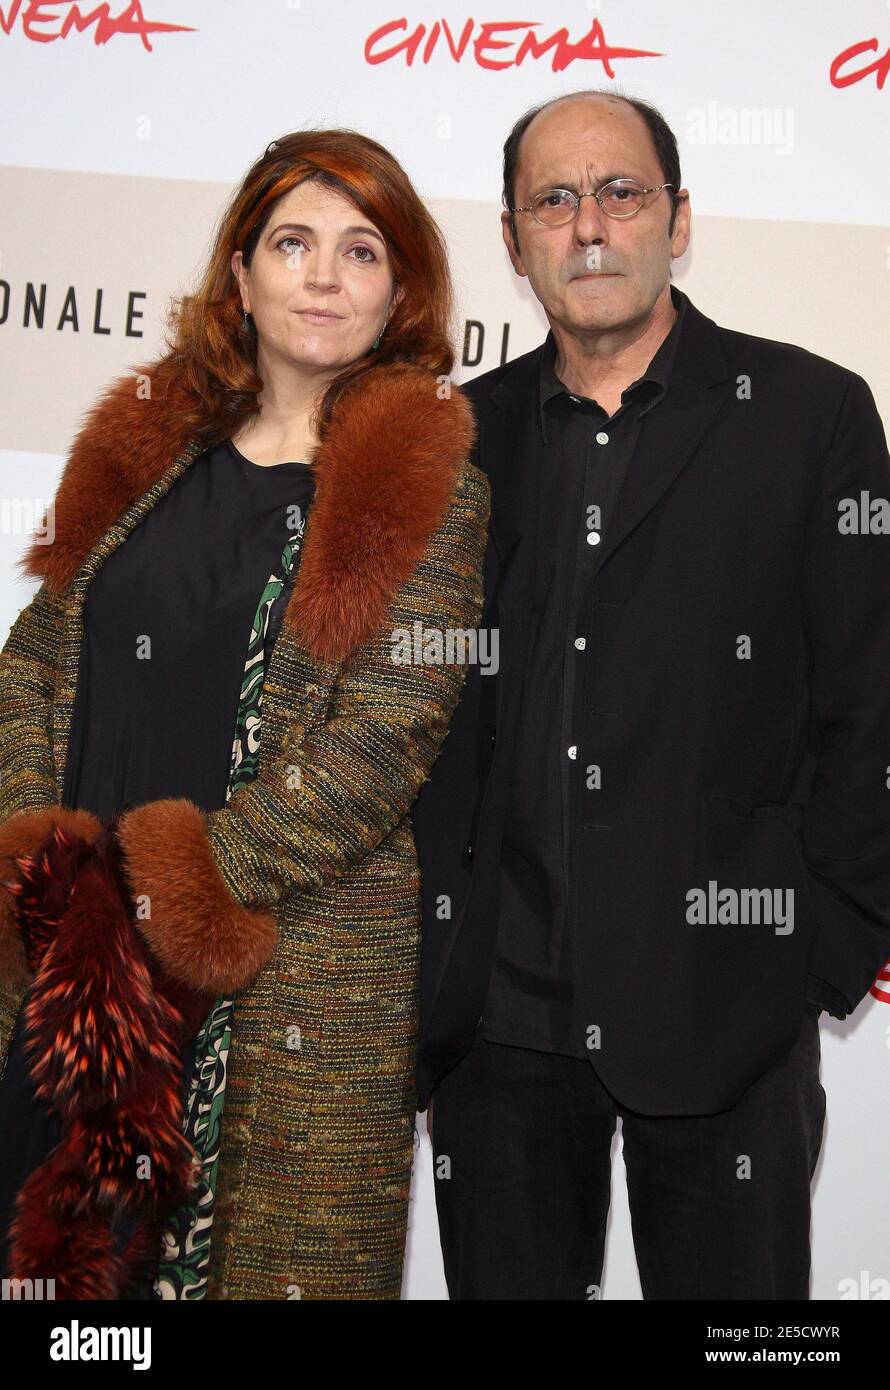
(591, 223)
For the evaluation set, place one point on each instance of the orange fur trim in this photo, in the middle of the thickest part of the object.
(200, 933)
(125, 443)
(385, 471)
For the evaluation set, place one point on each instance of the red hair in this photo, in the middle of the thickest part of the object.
(210, 347)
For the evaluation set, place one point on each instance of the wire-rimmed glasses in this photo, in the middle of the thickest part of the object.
(620, 198)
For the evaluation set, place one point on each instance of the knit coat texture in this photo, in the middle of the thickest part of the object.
(302, 895)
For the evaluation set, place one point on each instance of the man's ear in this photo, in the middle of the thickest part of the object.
(681, 232)
(512, 248)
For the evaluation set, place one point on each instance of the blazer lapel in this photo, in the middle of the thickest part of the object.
(511, 441)
(671, 431)
(513, 444)
(510, 446)
(513, 455)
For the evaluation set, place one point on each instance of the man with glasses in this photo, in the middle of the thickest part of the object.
(658, 842)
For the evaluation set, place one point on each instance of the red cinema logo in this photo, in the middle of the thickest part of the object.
(879, 68)
(496, 44)
(875, 989)
(35, 17)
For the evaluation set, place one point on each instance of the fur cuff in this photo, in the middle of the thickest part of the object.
(22, 835)
(200, 933)
(103, 1040)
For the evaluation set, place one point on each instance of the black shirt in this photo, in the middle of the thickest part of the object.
(584, 456)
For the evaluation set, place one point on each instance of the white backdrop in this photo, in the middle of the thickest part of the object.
(119, 148)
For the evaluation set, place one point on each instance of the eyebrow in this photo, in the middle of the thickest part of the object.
(347, 231)
(572, 187)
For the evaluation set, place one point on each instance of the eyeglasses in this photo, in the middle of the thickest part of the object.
(621, 198)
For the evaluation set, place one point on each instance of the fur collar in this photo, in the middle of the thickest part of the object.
(385, 472)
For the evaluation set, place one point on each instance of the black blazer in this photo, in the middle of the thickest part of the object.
(736, 696)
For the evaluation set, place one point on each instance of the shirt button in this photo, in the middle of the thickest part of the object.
(602, 437)
(580, 643)
(575, 399)
(593, 537)
(573, 750)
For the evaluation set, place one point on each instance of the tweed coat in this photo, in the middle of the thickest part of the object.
(302, 895)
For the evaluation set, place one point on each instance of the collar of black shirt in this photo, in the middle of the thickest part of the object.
(649, 388)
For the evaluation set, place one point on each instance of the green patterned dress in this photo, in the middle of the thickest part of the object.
(185, 1249)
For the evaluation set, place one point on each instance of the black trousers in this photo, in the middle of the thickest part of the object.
(720, 1204)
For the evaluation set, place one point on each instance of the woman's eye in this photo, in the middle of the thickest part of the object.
(288, 242)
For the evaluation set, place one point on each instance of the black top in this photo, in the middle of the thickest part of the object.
(167, 623)
(584, 455)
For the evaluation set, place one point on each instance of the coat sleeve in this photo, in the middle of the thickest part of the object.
(28, 665)
(28, 800)
(846, 821)
(212, 882)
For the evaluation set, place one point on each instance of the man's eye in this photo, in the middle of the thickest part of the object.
(628, 193)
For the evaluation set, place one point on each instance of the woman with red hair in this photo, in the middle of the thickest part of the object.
(210, 741)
